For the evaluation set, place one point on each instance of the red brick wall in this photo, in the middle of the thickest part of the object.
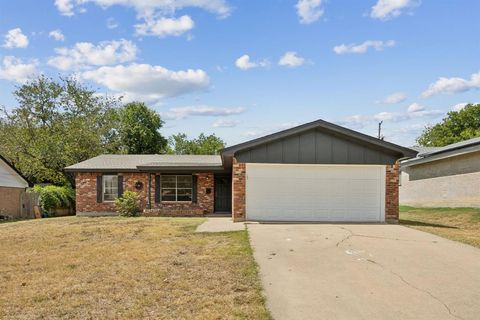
(392, 193)
(86, 193)
(239, 172)
(205, 201)
(10, 201)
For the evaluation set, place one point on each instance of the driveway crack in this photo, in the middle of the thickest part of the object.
(351, 234)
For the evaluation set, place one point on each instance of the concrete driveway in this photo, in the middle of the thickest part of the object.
(333, 271)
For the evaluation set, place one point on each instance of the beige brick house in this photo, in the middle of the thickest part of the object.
(314, 172)
(443, 177)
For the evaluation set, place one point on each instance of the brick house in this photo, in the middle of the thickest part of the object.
(314, 172)
(12, 186)
(446, 176)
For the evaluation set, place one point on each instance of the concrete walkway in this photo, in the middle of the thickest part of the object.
(326, 271)
(220, 224)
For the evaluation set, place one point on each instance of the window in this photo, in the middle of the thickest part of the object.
(176, 188)
(110, 188)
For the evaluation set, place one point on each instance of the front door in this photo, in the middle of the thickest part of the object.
(223, 194)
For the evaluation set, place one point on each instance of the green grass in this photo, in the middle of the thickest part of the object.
(459, 224)
(126, 268)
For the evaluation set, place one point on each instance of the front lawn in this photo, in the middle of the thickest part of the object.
(126, 268)
(459, 224)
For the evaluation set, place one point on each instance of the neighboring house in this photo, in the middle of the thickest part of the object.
(12, 186)
(443, 177)
(314, 172)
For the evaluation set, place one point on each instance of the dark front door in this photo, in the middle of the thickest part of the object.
(223, 194)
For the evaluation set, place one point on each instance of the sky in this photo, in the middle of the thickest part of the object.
(243, 69)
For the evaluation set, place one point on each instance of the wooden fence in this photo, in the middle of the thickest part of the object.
(28, 202)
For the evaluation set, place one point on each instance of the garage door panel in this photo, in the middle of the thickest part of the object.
(315, 192)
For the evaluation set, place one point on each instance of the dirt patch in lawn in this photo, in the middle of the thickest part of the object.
(120, 268)
(459, 224)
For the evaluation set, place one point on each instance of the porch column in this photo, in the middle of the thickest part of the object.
(149, 191)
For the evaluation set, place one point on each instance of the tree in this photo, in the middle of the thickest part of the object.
(179, 144)
(139, 130)
(456, 126)
(56, 124)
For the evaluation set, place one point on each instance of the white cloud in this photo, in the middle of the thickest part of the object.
(388, 9)
(65, 7)
(415, 107)
(201, 110)
(396, 97)
(245, 63)
(254, 133)
(163, 27)
(112, 23)
(156, 15)
(148, 7)
(413, 111)
(290, 59)
(453, 85)
(85, 54)
(57, 35)
(309, 10)
(363, 47)
(148, 82)
(461, 106)
(224, 123)
(14, 38)
(14, 69)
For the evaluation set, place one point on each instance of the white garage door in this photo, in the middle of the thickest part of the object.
(293, 192)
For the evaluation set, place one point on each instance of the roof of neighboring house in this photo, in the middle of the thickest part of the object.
(321, 124)
(133, 162)
(422, 149)
(429, 154)
(18, 173)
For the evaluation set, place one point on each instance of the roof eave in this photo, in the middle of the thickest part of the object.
(150, 169)
(443, 155)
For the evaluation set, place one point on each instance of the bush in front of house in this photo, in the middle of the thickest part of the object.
(128, 204)
(54, 197)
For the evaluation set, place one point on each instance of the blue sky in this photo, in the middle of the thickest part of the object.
(242, 69)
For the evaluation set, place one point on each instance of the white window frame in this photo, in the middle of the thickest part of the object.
(104, 187)
(176, 187)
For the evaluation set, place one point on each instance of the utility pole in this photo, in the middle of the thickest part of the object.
(380, 130)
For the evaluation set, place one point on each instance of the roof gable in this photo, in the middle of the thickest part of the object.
(10, 176)
(328, 128)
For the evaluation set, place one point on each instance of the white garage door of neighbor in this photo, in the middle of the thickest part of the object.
(295, 192)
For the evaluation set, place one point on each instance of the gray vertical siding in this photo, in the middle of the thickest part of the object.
(316, 146)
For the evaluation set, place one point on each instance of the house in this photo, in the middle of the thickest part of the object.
(443, 177)
(12, 186)
(318, 171)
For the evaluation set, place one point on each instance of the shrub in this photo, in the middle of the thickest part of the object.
(54, 197)
(128, 204)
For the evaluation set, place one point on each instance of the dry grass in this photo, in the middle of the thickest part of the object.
(120, 268)
(459, 224)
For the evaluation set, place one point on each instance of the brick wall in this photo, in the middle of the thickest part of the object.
(204, 205)
(392, 193)
(10, 201)
(238, 195)
(86, 195)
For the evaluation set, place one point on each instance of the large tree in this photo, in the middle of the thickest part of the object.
(456, 126)
(56, 124)
(180, 144)
(139, 130)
